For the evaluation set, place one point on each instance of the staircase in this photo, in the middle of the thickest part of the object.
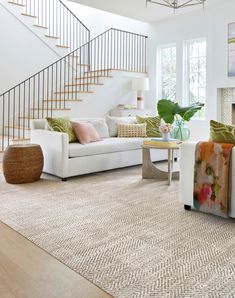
(68, 80)
(56, 21)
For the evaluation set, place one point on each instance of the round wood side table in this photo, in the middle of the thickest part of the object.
(22, 163)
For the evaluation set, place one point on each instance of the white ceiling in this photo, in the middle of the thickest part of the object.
(136, 9)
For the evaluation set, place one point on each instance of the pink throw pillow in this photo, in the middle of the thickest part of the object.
(85, 132)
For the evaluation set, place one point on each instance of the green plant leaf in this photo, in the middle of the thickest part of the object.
(167, 110)
(188, 112)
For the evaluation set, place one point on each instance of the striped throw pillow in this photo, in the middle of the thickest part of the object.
(132, 130)
(153, 123)
(62, 125)
(222, 133)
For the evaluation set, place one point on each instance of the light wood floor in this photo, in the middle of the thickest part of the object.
(26, 271)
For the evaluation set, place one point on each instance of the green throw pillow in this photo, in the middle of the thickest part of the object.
(62, 125)
(153, 123)
(222, 133)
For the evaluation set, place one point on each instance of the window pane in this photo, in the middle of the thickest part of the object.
(168, 72)
(196, 74)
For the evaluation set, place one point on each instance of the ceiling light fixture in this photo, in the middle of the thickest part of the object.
(176, 4)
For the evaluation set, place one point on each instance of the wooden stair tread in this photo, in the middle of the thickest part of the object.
(101, 70)
(51, 109)
(63, 46)
(80, 91)
(13, 139)
(40, 26)
(51, 36)
(18, 4)
(17, 127)
(28, 15)
(83, 84)
(83, 64)
(92, 77)
(62, 100)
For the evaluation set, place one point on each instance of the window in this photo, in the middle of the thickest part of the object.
(167, 72)
(195, 74)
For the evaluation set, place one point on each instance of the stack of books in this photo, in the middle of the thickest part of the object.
(159, 142)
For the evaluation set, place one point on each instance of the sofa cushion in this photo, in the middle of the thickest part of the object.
(114, 121)
(85, 132)
(132, 130)
(62, 124)
(153, 124)
(222, 133)
(99, 124)
(105, 146)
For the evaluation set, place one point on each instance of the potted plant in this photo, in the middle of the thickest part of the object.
(171, 112)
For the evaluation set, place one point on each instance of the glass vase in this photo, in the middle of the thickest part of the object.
(180, 130)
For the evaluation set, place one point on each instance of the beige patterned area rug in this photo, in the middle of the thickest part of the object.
(129, 236)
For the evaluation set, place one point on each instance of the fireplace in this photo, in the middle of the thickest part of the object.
(228, 105)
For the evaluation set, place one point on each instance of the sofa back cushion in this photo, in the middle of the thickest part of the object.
(222, 133)
(114, 121)
(85, 132)
(132, 130)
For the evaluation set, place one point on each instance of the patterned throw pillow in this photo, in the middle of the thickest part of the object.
(132, 130)
(222, 133)
(153, 124)
(62, 125)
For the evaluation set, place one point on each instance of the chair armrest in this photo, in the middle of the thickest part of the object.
(187, 159)
(55, 147)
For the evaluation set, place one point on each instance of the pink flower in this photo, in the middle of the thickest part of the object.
(165, 128)
(205, 193)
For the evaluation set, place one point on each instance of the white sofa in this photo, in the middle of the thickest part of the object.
(66, 160)
(187, 158)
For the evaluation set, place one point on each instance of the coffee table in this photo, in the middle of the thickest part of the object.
(151, 171)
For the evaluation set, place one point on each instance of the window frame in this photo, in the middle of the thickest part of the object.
(186, 73)
(159, 67)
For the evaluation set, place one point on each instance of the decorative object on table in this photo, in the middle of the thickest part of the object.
(171, 112)
(211, 193)
(165, 129)
(22, 163)
(176, 4)
(231, 50)
(222, 133)
(153, 124)
(140, 85)
(159, 142)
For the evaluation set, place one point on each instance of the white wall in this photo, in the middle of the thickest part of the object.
(211, 23)
(99, 21)
(21, 52)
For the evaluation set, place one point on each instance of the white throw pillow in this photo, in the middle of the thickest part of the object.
(101, 127)
(114, 121)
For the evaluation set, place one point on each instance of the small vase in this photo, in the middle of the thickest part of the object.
(180, 130)
(166, 136)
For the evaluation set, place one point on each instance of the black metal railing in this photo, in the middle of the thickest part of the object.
(59, 20)
(65, 80)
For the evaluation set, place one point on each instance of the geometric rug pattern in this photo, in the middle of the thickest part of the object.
(131, 237)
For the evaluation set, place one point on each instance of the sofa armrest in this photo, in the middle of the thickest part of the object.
(55, 147)
(187, 158)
